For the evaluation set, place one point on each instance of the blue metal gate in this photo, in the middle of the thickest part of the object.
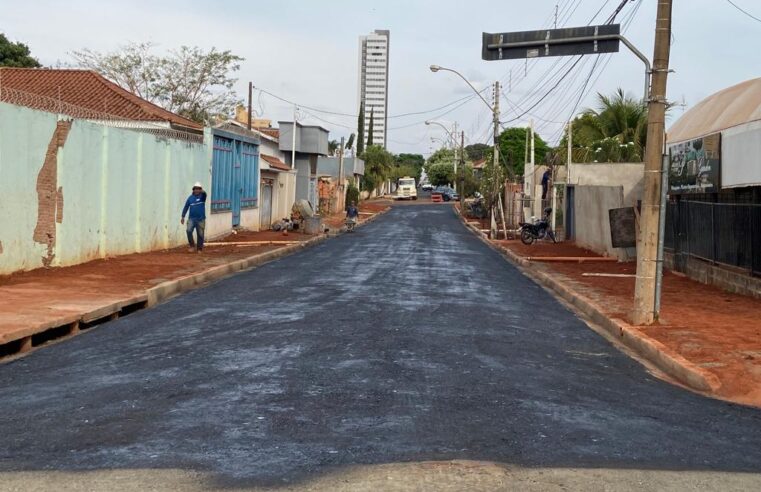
(235, 174)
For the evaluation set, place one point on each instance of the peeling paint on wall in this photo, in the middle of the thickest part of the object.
(47, 193)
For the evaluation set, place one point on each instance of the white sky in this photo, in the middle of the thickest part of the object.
(306, 51)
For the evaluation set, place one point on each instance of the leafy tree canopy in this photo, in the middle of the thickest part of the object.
(408, 165)
(378, 166)
(441, 155)
(189, 81)
(410, 159)
(16, 54)
(440, 173)
(512, 146)
(476, 152)
(614, 131)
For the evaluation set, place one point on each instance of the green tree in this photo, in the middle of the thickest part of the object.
(352, 194)
(409, 165)
(467, 184)
(411, 159)
(195, 83)
(476, 152)
(440, 173)
(615, 131)
(16, 54)
(378, 166)
(333, 146)
(441, 155)
(361, 129)
(512, 147)
(370, 128)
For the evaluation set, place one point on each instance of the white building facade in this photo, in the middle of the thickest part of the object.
(373, 83)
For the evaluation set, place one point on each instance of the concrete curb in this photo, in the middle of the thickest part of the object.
(171, 288)
(650, 350)
(162, 292)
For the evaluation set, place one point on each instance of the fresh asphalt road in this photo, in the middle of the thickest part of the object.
(408, 341)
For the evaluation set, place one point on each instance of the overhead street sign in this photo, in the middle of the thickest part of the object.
(586, 40)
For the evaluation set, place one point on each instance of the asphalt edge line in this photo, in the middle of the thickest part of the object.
(661, 357)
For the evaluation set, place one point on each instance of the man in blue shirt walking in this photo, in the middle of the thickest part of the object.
(195, 207)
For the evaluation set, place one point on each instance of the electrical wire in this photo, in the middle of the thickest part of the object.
(743, 11)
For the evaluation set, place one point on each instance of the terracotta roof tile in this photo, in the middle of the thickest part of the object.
(275, 163)
(272, 132)
(90, 90)
(479, 164)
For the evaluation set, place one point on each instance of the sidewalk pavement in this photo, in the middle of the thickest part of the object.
(706, 339)
(43, 305)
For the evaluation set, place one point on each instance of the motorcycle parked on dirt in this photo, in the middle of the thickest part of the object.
(477, 207)
(539, 229)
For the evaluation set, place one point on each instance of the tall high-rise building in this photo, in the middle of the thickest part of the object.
(373, 82)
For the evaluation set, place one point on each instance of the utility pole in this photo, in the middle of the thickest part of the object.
(250, 96)
(293, 138)
(495, 161)
(453, 138)
(645, 288)
(532, 163)
(462, 165)
(341, 173)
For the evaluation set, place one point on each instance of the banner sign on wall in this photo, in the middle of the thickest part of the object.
(695, 165)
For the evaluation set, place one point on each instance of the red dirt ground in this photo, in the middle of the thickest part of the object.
(44, 296)
(717, 330)
(544, 249)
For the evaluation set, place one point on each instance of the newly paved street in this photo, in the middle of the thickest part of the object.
(408, 341)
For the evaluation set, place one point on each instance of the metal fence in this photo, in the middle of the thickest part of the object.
(52, 105)
(726, 233)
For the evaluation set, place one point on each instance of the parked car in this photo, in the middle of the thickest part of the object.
(447, 193)
(427, 187)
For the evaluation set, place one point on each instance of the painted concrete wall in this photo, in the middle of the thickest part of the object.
(24, 138)
(122, 191)
(219, 224)
(283, 195)
(628, 175)
(303, 177)
(592, 204)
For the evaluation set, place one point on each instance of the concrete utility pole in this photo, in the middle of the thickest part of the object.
(462, 165)
(495, 161)
(341, 173)
(456, 158)
(293, 139)
(250, 96)
(645, 288)
(532, 166)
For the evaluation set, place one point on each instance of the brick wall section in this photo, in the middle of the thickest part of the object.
(59, 205)
(48, 193)
(722, 277)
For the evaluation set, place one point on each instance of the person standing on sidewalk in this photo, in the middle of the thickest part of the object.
(195, 207)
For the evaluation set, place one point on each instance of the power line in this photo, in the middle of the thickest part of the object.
(743, 11)
(338, 113)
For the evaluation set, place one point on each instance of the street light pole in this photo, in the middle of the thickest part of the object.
(453, 140)
(495, 113)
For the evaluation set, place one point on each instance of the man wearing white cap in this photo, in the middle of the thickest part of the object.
(195, 207)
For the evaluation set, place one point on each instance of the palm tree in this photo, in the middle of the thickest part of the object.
(614, 132)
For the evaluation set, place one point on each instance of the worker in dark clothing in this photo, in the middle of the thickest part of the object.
(545, 183)
(195, 207)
